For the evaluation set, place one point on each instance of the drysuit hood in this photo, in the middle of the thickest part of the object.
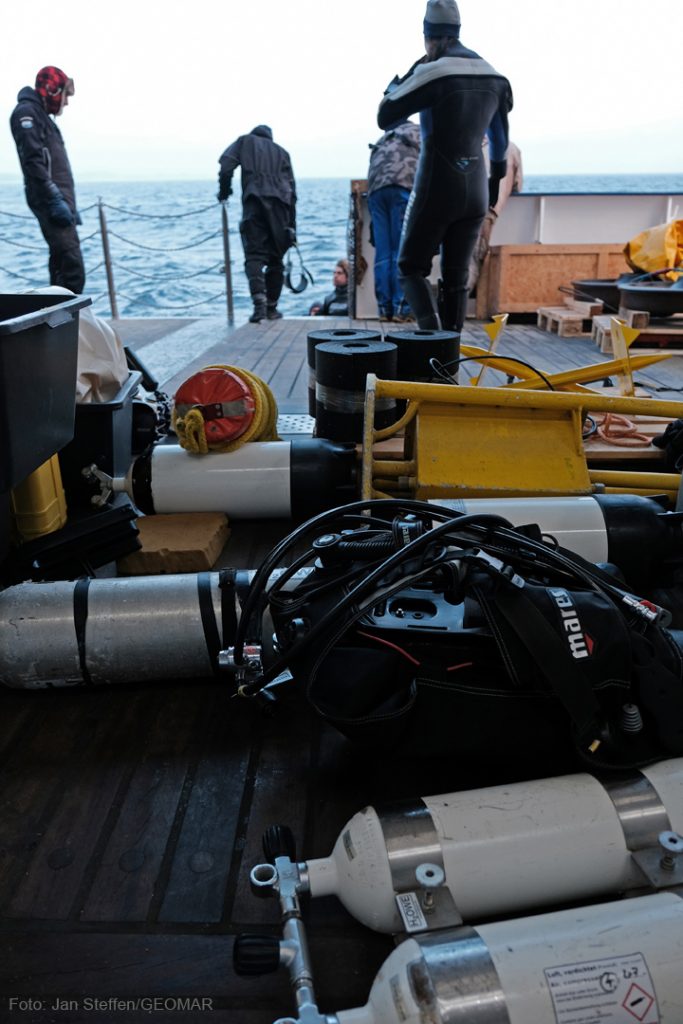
(53, 85)
(263, 130)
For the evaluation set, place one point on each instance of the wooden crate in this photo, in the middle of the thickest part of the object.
(520, 278)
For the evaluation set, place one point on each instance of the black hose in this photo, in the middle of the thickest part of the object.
(443, 368)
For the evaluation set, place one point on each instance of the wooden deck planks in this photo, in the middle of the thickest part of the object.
(124, 885)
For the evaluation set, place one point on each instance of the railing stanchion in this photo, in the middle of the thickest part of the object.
(107, 260)
(228, 268)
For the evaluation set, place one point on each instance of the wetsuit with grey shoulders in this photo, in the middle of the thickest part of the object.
(460, 99)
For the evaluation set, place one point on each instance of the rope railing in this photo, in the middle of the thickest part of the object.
(166, 305)
(165, 248)
(165, 280)
(104, 233)
(158, 216)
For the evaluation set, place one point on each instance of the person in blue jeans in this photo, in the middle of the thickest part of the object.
(390, 179)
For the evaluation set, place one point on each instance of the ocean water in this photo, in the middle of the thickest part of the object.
(166, 240)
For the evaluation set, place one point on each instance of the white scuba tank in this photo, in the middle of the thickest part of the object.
(467, 855)
(617, 963)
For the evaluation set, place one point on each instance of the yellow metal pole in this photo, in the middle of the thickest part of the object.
(512, 398)
(620, 478)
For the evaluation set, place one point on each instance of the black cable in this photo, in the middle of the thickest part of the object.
(272, 559)
(442, 368)
(551, 559)
(592, 429)
(453, 522)
(359, 591)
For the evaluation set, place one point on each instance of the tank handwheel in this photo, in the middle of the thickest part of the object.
(279, 841)
(253, 955)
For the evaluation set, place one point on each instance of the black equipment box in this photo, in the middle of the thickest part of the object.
(38, 362)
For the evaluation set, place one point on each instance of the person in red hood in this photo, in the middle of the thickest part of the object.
(48, 180)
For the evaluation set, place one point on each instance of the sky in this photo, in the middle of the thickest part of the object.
(163, 88)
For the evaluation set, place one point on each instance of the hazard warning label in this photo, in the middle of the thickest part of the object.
(616, 990)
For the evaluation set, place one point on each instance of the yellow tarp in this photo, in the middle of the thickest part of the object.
(657, 248)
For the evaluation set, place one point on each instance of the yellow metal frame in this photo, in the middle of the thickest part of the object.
(497, 442)
(567, 380)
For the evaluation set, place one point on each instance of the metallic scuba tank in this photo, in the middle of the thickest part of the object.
(432, 863)
(108, 630)
(619, 963)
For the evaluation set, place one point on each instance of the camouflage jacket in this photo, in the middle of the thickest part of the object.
(394, 157)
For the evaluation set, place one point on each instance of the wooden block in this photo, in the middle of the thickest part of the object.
(561, 321)
(637, 318)
(586, 309)
(188, 542)
(601, 333)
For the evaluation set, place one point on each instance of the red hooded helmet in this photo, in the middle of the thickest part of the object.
(52, 85)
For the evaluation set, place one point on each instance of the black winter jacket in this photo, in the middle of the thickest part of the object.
(42, 153)
(266, 168)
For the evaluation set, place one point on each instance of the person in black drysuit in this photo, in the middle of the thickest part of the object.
(460, 99)
(268, 225)
(48, 180)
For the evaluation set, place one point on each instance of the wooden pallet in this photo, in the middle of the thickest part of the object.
(661, 333)
(565, 322)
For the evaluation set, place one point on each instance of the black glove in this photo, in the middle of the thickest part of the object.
(291, 235)
(79, 219)
(671, 441)
(224, 193)
(497, 173)
(59, 212)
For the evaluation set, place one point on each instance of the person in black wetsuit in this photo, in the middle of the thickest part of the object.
(337, 302)
(460, 99)
(49, 183)
(268, 225)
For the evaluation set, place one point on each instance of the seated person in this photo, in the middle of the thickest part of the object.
(337, 302)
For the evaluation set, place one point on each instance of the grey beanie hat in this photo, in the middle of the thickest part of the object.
(442, 18)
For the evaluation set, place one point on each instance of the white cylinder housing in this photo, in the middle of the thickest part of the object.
(575, 523)
(253, 482)
(616, 963)
(503, 849)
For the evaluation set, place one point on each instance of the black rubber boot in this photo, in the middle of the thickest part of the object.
(274, 279)
(453, 308)
(420, 298)
(260, 309)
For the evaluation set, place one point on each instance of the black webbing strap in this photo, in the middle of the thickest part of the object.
(213, 643)
(226, 584)
(570, 686)
(80, 623)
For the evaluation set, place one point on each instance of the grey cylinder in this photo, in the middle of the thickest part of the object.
(114, 631)
(315, 338)
(341, 369)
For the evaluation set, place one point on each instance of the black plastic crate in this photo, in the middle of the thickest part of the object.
(38, 368)
(103, 434)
